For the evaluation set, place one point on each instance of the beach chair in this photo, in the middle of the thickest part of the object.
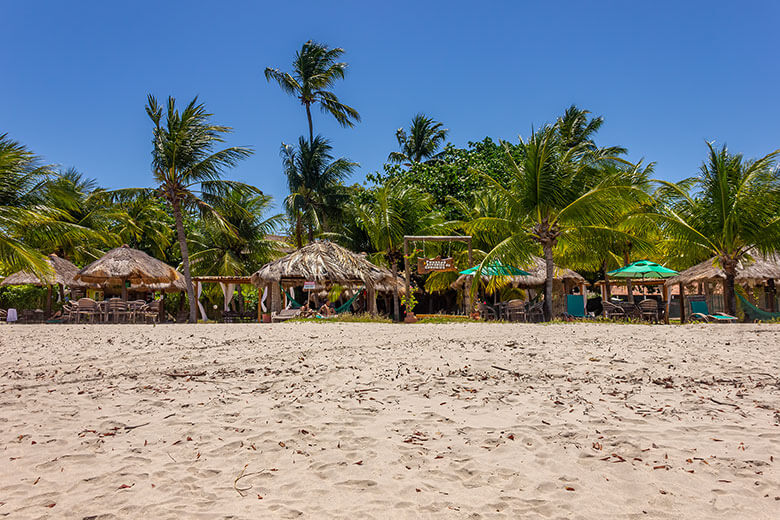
(150, 312)
(117, 310)
(535, 312)
(515, 310)
(700, 312)
(86, 308)
(575, 306)
(612, 311)
(486, 312)
(285, 314)
(3, 314)
(648, 309)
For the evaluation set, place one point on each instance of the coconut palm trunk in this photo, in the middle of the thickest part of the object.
(729, 293)
(185, 259)
(549, 268)
(396, 305)
(311, 125)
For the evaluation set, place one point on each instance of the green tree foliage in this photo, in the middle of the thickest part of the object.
(423, 141)
(314, 179)
(315, 70)
(395, 211)
(188, 170)
(730, 210)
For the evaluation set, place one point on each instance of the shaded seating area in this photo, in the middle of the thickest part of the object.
(701, 290)
(323, 265)
(565, 281)
(59, 276)
(113, 310)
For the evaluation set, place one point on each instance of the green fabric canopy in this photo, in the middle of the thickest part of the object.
(643, 269)
(496, 269)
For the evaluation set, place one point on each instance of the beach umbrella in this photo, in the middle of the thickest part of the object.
(131, 269)
(643, 269)
(496, 269)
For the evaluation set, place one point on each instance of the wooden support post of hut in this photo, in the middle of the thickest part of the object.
(665, 293)
(682, 302)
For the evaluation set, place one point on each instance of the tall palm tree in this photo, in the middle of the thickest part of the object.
(422, 142)
(187, 169)
(396, 211)
(577, 129)
(313, 177)
(557, 191)
(315, 70)
(731, 210)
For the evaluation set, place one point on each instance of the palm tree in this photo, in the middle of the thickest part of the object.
(187, 170)
(316, 69)
(28, 221)
(313, 177)
(396, 211)
(145, 224)
(729, 210)
(577, 130)
(424, 139)
(557, 191)
(242, 249)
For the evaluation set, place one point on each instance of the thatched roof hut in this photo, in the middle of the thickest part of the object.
(325, 263)
(751, 273)
(125, 264)
(538, 275)
(62, 273)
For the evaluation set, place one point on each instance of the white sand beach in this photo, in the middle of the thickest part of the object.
(390, 421)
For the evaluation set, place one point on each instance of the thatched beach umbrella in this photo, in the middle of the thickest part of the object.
(133, 269)
(325, 264)
(62, 274)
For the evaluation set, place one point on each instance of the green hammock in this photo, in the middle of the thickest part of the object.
(753, 313)
(293, 303)
(344, 308)
(339, 310)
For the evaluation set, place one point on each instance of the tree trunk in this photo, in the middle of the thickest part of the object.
(396, 305)
(311, 127)
(298, 231)
(729, 295)
(185, 260)
(548, 282)
(311, 233)
(607, 285)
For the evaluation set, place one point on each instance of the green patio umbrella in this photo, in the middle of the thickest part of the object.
(643, 269)
(496, 269)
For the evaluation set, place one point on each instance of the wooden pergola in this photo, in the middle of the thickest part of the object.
(439, 238)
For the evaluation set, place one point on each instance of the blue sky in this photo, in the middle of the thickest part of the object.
(665, 75)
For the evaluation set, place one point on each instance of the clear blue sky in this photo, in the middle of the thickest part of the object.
(665, 75)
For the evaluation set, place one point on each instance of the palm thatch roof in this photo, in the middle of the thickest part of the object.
(125, 264)
(325, 263)
(62, 273)
(538, 275)
(749, 272)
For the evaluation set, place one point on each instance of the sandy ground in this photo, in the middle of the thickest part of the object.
(390, 421)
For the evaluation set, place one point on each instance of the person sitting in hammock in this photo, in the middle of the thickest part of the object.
(328, 309)
(306, 312)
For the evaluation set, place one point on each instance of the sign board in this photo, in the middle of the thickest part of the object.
(309, 286)
(427, 265)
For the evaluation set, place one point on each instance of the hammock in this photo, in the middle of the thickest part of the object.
(293, 303)
(753, 313)
(339, 310)
(344, 308)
